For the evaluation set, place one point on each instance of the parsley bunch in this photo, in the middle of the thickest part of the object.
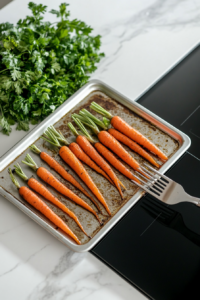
(42, 64)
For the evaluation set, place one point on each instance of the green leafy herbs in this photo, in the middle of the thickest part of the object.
(42, 65)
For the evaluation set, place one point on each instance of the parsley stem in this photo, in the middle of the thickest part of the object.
(4, 70)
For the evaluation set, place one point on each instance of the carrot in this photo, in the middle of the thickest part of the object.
(47, 177)
(132, 145)
(51, 136)
(84, 143)
(43, 191)
(109, 141)
(36, 202)
(62, 172)
(86, 159)
(76, 165)
(93, 154)
(114, 161)
(119, 124)
(135, 135)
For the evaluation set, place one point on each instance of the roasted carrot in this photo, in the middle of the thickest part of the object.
(119, 124)
(76, 149)
(75, 164)
(109, 141)
(136, 136)
(47, 177)
(114, 161)
(36, 202)
(43, 191)
(132, 145)
(84, 143)
(94, 155)
(62, 172)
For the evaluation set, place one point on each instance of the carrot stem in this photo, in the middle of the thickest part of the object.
(83, 129)
(30, 162)
(96, 107)
(35, 149)
(85, 113)
(60, 137)
(20, 172)
(49, 137)
(14, 180)
(88, 122)
(73, 129)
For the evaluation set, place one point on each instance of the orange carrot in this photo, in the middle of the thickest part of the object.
(93, 154)
(47, 177)
(109, 141)
(119, 124)
(136, 136)
(43, 191)
(86, 159)
(60, 170)
(132, 145)
(36, 202)
(76, 165)
(115, 162)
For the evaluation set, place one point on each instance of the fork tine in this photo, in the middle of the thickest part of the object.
(148, 172)
(156, 188)
(155, 171)
(153, 193)
(160, 186)
(140, 179)
(163, 183)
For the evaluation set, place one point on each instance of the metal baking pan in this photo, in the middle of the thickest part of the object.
(170, 140)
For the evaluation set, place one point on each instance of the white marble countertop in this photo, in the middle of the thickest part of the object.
(142, 39)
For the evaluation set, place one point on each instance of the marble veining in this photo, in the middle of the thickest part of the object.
(142, 39)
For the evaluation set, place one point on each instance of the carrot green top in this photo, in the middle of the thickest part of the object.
(96, 107)
(82, 128)
(30, 162)
(14, 180)
(20, 172)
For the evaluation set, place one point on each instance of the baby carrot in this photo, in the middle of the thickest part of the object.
(84, 143)
(109, 141)
(132, 145)
(43, 191)
(53, 137)
(119, 124)
(47, 177)
(60, 170)
(114, 161)
(135, 135)
(93, 154)
(36, 202)
(86, 159)
(76, 165)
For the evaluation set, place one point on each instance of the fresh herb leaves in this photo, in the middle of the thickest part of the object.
(42, 64)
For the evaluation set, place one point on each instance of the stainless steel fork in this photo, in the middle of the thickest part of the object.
(163, 188)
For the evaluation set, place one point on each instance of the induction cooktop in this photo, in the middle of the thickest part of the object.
(159, 260)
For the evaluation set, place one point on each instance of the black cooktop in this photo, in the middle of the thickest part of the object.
(159, 260)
